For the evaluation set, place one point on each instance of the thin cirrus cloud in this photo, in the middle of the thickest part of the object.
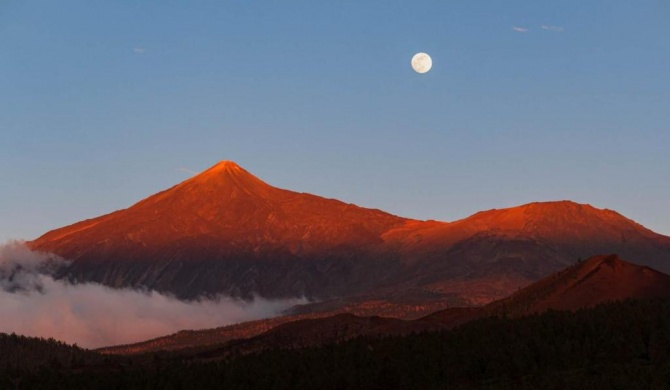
(139, 50)
(552, 28)
(519, 29)
(34, 303)
(187, 170)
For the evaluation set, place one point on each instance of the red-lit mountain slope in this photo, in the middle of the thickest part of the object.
(225, 231)
(492, 253)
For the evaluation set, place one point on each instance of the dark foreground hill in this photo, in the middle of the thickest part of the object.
(225, 231)
(28, 353)
(624, 345)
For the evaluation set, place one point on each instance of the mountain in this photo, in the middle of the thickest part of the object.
(492, 253)
(588, 283)
(595, 281)
(225, 231)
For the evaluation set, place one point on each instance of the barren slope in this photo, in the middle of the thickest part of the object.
(226, 231)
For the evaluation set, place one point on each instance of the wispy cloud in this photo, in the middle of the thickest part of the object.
(552, 28)
(186, 170)
(139, 50)
(519, 29)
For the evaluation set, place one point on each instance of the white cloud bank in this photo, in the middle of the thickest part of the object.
(33, 303)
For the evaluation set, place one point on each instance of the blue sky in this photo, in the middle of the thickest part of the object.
(104, 103)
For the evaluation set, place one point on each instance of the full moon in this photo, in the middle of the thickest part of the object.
(421, 63)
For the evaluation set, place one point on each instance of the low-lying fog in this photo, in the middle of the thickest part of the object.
(33, 303)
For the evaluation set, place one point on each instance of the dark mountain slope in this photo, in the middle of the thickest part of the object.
(598, 280)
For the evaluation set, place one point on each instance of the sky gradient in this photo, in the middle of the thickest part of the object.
(105, 103)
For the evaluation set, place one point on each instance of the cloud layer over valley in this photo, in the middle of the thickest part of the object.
(33, 303)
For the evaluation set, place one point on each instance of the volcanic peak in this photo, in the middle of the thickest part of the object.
(225, 178)
(613, 261)
(224, 169)
(615, 265)
(225, 166)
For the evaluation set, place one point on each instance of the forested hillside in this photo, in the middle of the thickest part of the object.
(617, 345)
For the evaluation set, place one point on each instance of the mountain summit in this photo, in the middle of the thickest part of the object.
(225, 231)
(228, 176)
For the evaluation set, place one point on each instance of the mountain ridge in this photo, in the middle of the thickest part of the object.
(225, 231)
